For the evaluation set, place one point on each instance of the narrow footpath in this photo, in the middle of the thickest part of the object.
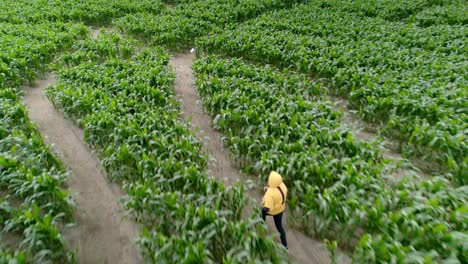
(364, 131)
(101, 235)
(302, 249)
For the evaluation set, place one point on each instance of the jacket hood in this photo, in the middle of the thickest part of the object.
(274, 180)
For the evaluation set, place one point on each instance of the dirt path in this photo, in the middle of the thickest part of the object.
(220, 167)
(95, 31)
(364, 131)
(302, 249)
(100, 234)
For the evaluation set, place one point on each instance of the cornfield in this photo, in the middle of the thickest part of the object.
(267, 72)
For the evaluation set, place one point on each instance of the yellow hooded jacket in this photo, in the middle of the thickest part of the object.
(273, 198)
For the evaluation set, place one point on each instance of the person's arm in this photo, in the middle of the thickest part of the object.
(268, 202)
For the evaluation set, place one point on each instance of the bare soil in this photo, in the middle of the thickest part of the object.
(220, 165)
(95, 32)
(365, 132)
(302, 249)
(101, 234)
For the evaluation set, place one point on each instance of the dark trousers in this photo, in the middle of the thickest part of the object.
(278, 223)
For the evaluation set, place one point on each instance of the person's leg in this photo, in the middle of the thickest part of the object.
(278, 223)
(264, 215)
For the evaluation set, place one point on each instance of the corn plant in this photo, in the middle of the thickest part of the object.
(87, 11)
(15, 257)
(386, 9)
(34, 205)
(339, 185)
(178, 27)
(126, 105)
(409, 81)
(26, 49)
(451, 13)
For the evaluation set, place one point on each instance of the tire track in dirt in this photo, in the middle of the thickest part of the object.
(302, 249)
(101, 235)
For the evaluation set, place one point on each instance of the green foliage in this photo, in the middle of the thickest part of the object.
(338, 184)
(453, 12)
(16, 257)
(34, 206)
(86, 11)
(331, 246)
(26, 49)
(401, 63)
(125, 102)
(393, 10)
(178, 27)
(410, 80)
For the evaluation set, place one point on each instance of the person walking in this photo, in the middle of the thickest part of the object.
(273, 203)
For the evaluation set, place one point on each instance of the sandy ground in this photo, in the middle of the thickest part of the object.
(100, 235)
(302, 249)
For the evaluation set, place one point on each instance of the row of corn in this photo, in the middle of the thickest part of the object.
(341, 188)
(406, 77)
(34, 207)
(125, 103)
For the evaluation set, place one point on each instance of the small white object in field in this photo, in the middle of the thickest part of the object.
(192, 50)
